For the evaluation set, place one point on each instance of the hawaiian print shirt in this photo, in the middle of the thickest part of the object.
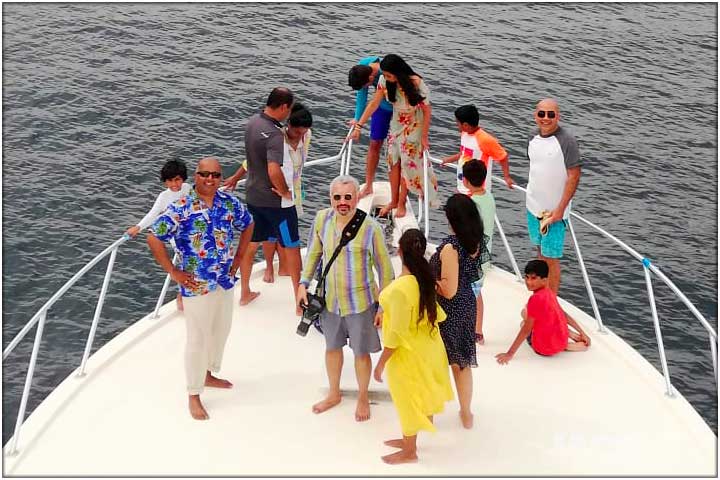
(203, 237)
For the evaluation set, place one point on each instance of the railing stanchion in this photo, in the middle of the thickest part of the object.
(98, 309)
(347, 161)
(426, 161)
(508, 249)
(28, 382)
(713, 352)
(586, 279)
(658, 332)
(164, 290)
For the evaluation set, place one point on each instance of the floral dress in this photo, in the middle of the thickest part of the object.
(405, 141)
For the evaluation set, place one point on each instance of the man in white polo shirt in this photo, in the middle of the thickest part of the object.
(554, 176)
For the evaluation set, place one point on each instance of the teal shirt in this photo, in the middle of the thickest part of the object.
(362, 94)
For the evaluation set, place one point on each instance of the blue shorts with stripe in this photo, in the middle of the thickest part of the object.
(551, 244)
(275, 223)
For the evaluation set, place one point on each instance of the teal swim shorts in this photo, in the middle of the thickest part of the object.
(551, 244)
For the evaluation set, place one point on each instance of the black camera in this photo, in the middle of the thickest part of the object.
(311, 313)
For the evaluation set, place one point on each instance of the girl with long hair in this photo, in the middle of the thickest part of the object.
(409, 129)
(414, 354)
(455, 263)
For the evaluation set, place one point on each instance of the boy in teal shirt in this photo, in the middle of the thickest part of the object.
(474, 173)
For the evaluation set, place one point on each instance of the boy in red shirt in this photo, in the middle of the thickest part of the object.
(545, 323)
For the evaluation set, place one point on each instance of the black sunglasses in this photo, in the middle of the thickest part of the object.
(337, 197)
(209, 174)
(541, 114)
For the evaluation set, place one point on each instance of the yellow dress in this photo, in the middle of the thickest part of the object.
(417, 372)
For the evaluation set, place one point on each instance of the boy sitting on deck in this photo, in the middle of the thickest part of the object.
(474, 173)
(545, 323)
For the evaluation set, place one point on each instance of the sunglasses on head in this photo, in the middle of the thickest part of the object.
(550, 114)
(337, 197)
(204, 174)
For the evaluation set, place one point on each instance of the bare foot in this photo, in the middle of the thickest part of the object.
(245, 299)
(401, 210)
(326, 404)
(466, 419)
(366, 190)
(385, 211)
(394, 443)
(269, 276)
(362, 411)
(480, 339)
(197, 411)
(179, 303)
(212, 381)
(400, 457)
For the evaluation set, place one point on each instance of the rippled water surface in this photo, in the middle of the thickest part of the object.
(96, 97)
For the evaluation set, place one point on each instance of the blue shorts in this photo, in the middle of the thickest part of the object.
(277, 223)
(551, 244)
(380, 124)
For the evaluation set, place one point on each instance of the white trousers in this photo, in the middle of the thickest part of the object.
(208, 319)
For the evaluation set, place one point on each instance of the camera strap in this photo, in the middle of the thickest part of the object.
(348, 233)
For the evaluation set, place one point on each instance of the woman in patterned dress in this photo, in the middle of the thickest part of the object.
(455, 263)
(409, 129)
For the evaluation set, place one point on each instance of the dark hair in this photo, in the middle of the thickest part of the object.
(172, 169)
(538, 267)
(468, 114)
(412, 244)
(465, 221)
(392, 63)
(359, 76)
(300, 116)
(475, 172)
(280, 96)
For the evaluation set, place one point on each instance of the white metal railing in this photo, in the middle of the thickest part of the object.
(345, 158)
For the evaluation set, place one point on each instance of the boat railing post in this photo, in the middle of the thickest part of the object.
(347, 161)
(508, 249)
(426, 161)
(713, 352)
(28, 382)
(164, 290)
(98, 310)
(586, 279)
(658, 332)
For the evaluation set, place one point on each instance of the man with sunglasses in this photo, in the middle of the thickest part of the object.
(554, 175)
(351, 292)
(202, 225)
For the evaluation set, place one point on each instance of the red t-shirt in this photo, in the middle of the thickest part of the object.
(550, 330)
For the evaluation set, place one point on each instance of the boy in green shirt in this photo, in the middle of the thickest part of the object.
(474, 173)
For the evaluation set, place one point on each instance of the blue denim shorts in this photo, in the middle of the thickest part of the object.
(551, 244)
(380, 124)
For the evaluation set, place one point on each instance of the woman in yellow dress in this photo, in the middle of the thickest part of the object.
(414, 354)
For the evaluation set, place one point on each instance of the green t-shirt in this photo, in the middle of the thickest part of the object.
(486, 207)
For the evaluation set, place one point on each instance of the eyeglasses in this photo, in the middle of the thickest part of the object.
(347, 196)
(541, 114)
(204, 174)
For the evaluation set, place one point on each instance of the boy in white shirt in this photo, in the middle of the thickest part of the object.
(173, 174)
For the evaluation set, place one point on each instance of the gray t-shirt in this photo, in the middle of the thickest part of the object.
(263, 144)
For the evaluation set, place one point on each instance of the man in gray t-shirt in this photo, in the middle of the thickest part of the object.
(266, 187)
(554, 176)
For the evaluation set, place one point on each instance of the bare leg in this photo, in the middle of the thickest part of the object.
(282, 267)
(479, 337)
(197, 410)
(554, 272)
(463, 385)
(402, 199)
(363, 368)
(408, 454)
(247, 295)
(333, 365)
(269, 252)
(293, 263)
(178, 299)
(394, 189)
(371, 164)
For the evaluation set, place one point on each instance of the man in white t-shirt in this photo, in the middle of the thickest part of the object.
(554, 176)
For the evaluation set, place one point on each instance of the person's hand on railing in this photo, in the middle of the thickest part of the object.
(185, 279)
(132, 231)
(509, 181)
(354, 134)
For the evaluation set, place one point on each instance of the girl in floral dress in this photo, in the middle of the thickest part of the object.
(409, 129)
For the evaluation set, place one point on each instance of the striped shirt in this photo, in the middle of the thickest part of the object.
(350, 285)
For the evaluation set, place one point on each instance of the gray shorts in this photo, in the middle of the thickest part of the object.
(359, 327)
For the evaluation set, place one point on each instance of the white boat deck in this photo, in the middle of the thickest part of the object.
(602, 412)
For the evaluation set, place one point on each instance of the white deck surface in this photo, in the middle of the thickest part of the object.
(602, 412)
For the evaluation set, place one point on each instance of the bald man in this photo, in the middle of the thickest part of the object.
(555, 165)
(203, 224)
